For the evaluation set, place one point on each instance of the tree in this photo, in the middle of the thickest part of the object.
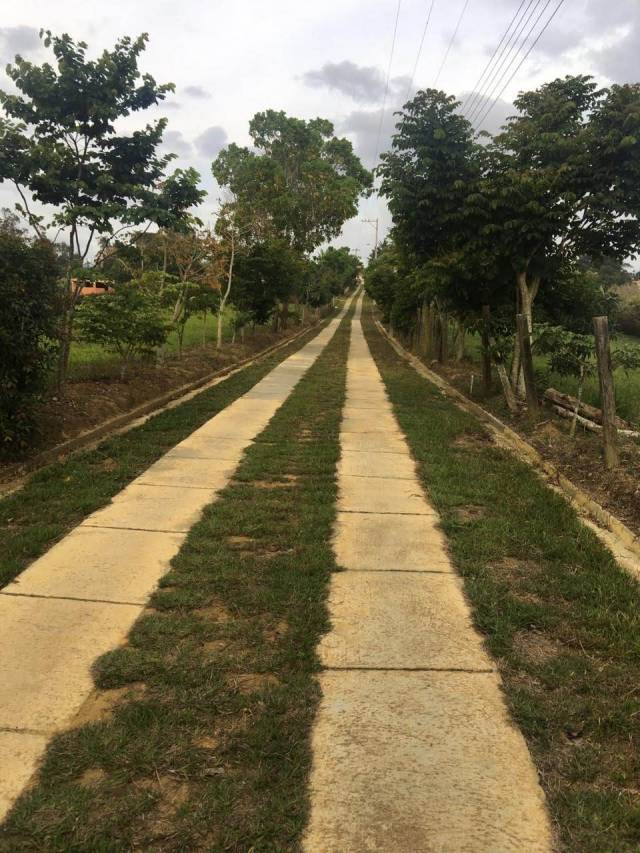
(29, 310)
(298, 186)
(301, 183)
(61, 144)
(561, 180)
(336, 271)
(193, 256)
(129, 322)
(266, 271)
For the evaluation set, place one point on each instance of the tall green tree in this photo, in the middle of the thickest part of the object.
(60, 145)
(297, 187)
(299, 184)
(562, 180)
(432, 167)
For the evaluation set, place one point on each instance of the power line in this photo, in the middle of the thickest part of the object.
(497, 75)
(451, 41)
(497, 80)
(415, 65)
(386, 87)
(535, 42)
(476, 86)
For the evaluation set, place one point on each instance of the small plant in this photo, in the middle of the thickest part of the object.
(129, 322)
(570, 354)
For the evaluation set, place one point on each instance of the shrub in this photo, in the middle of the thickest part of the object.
(29, 314)
(628, 316)
(129, 322)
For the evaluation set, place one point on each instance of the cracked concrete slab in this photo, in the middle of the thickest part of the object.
(371, 464)
(197, 446)
(359, 494)
(382, 543)
(196, 473)
(379, 442)
(161, 508)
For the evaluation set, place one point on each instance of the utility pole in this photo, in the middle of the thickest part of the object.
(374, 224)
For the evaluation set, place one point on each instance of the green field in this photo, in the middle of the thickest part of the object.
(627, 384)
(93, 360)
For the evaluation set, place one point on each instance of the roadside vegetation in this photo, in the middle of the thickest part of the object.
(200, 735)
(117, 220)
(520, 238)
(561, 619)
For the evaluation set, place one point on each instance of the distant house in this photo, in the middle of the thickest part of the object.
(92, 288)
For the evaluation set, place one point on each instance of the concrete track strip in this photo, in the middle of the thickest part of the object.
(413, 749)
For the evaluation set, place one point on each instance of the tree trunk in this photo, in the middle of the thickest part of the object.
(71, 298)
(607, 393)
(486, 349)
(435, 334)
(223, 301)
(204, 328)
(459, 342)
(524, 341)
(444, 338)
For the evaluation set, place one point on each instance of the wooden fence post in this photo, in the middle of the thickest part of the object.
(607, 394)
(486, 349)
(524, 338)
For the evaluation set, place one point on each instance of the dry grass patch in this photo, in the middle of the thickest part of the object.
(469, 513)
(473, 441)
(252, 682)
(215, 611)
(536, 647)
(101, 704)
(92, 777)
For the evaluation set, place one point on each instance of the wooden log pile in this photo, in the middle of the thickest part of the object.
(587, 416)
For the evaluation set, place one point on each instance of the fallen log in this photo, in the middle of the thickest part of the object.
(589, 424)
(566, 401)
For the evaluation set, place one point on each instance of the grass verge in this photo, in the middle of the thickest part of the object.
(559, 616)
(205, 745)
(61, 495)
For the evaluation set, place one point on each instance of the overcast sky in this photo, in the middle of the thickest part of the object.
(232, 58)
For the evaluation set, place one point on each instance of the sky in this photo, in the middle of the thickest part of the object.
(232, 58)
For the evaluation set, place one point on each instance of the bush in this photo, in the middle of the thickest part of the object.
(29, 313)
(628, 317)
(129, 322)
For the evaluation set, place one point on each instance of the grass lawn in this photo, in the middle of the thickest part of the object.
(60, 496)
(90, 360)
(627, 385)
(559, 616)
(206, 746)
